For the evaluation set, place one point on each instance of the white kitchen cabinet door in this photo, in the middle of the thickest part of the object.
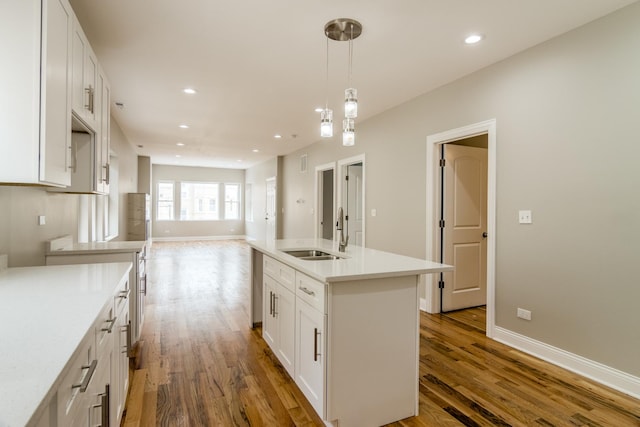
(104, 133)
(269, 320)
(286, 317)
(84, 78)
(310, 354)
(35, 109)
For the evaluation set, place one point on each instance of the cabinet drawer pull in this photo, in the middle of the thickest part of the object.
(315, 344)
(275, 305)
(270, 303)
(87, 378)
(307, 291)
(124, 294)
(111, 323)
(104, 407)
(129, 350)
(90, 98)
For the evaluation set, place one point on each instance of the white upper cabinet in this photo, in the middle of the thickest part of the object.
(35, 106)
(84, 86)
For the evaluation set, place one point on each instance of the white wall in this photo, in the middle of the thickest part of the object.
(195, 229)
(567, 148)
(257, 176)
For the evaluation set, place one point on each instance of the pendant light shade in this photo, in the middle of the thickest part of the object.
(348, 132)
(351, 103)
(326, 123)
(342, 29)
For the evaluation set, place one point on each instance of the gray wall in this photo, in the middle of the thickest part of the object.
(20, 235)
(127, 174)
(567, 148)
(195, 229)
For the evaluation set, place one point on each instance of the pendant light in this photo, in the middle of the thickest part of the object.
(345, 29)
(326, 115)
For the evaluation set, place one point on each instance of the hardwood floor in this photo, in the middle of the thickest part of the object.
(476, 317)
(201, 364)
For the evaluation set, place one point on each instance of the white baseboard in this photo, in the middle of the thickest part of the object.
(197, 238)
(596, 371)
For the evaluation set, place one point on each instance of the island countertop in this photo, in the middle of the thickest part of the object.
(357, 263)
(94, 247)
(45, 312)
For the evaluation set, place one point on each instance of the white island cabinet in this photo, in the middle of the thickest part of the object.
(60, 365)
(356, 326)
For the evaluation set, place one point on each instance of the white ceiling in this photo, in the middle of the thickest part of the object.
(259, 66)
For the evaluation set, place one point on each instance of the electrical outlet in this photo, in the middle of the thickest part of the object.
(524, 314)
(524, 217)
(41, 220)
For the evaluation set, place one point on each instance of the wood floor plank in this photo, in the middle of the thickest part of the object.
(205, 367)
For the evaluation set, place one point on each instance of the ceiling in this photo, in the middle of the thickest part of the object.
(259, 66)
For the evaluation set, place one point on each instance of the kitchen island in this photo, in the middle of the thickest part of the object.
(345, 325)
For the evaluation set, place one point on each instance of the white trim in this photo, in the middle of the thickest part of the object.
(433, 193)
(360, 158)
(596, 371)
(316, 207)
(196, 238)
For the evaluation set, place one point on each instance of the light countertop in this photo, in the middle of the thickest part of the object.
(358, 263)
(45, 312)
(97, 248)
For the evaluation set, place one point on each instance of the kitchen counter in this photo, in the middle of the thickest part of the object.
(358, 262)
(45, 312)
(94, 248)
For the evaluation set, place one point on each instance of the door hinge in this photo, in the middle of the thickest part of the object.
(441, 224)
(346, 178)
(441, 284)
(346, 218)
(442, 163)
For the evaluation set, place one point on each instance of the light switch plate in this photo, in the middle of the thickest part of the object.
(524, 217)
(41, 220)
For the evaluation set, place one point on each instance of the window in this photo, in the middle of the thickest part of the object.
(164, 211)
(199, 201)
(232, 201)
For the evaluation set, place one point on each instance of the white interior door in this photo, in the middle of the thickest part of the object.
(354, 214)
(270, 214)
(465, 224)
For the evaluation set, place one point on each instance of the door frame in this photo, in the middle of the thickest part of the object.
(488, 127)
(342, 171)
(266, 207)
(319, 204)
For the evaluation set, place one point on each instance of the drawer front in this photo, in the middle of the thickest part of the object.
(121, 297)
(282, 273)
(311, 291)
(72, 397)
(105, 328)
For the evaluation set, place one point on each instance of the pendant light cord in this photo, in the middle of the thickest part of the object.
(326, 100)
(350, 54)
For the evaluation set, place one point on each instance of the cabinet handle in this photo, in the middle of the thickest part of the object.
(275, 305)
(124, 294)
(307, 291)
(270, 303)
(315, 344)
(129, 350)
(111, 322)
(90, 98)
(104, 407)
(143, 279)
(106, 173)
(87, 378)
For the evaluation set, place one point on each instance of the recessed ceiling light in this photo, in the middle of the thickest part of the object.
(239, 160)
(189, 90)
(277, 136)
(319, 110)
(178, 155)
(255, 150)
(184, 126)
(473, 39)
(180, 144)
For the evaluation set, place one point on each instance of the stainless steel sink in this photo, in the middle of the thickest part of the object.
(311, 255)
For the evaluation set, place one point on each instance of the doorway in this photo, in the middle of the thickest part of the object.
(351, 196)
(325, 201)
(270, 210)
(463, 223)
(436, 192)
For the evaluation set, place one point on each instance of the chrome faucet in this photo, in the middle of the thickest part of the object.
(342, 244)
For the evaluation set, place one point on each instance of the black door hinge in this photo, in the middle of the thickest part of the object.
(442, 163)
(441, 284)
(441, 223)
